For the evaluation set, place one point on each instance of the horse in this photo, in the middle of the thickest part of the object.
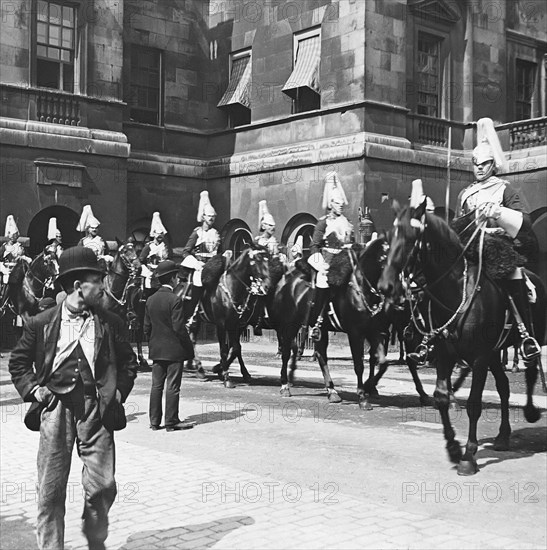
(123, 290)
(230, 301)
(357, 310)
(28, 284)
(468, 312)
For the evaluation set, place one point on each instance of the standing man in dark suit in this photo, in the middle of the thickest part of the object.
(169, 346)
(84, 369)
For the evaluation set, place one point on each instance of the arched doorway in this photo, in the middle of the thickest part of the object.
(67, 220)
(236, 236)
(299, 225)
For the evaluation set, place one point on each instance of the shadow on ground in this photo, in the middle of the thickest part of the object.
(201, 535)
(524, 443)
(17, 534)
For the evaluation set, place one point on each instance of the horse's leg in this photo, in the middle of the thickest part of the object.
(294, 352)
(356, 344)
(244, 372)
(425, 400)
(224, 349)
(285, 344)
(377, 356)
(531, 412)
(502, 385)
(515, 368)
(401, 339)
(444, 368)
(468, 464)
(234, 344)
(321, 354)
(504, 358)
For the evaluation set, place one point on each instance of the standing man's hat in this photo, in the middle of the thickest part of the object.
(77, 258)
(166, 268)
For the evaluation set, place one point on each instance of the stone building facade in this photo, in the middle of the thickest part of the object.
(135, 106)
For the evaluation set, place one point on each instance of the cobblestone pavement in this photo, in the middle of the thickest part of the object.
(259, 471)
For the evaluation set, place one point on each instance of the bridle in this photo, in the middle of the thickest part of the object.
(373, 310)
(132, 278)
(255, 289)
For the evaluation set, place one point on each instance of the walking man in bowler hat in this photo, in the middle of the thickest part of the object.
(84, 369)
(169, 346)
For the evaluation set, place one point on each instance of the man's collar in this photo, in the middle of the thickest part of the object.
(168, 286)
(67, 314)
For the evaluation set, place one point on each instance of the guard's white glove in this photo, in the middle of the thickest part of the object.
(192, 262)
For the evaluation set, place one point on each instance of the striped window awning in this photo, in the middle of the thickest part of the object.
(306, 68)
(238, 90)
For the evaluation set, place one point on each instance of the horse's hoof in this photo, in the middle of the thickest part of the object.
(531, 413)
(454, 451)
(196, 363)
(454, 406)
(467, 468)
(229, 384)
(247, 379)
(501, 443)
(334, 397)
(200, 374)
(216, 369)
(364, 405)
(285, 392)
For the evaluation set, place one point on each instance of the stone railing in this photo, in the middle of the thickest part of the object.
(524, 134)
(425, 130)
(58, 107)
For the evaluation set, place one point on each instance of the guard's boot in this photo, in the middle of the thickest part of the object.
(197, 293)
(518, 298)
(317, 313)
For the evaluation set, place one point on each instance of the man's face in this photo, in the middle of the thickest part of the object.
(93, 231)
(484, 170)
(159, 238)
(268, 228)
(209, 220)
(336, 206)
(13, 238)
(90, 289)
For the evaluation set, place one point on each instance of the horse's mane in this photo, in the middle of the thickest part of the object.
(445, 233)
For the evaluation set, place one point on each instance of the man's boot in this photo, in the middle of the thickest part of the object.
(518, 298)
(321, 296)
(197, 293)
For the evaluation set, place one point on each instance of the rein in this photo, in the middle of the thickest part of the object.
(373, 310)
(428, 335)
(131, 281)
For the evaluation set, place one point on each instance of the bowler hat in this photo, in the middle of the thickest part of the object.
(167, 267)
(77, 258)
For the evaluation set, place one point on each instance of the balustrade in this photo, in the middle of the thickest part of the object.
(58, 108)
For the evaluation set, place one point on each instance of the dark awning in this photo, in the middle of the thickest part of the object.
(306, 68)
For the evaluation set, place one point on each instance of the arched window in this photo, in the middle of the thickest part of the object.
(236, 236)
(67, 220)
(299, 225)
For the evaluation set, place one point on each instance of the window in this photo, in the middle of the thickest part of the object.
(145, 100)
(428, 75)
(55, 45)
(303, 83)
(525, 87)
(236, 99)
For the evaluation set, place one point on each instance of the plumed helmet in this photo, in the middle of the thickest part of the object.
(11, 227)
(87, 219)
(264, 215)
(333, 190)
(157, 227)
(488, 145)
(205, 207)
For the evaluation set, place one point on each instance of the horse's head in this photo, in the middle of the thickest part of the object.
(127, 254)
(44, 267)
(406, 239)
(254, 262)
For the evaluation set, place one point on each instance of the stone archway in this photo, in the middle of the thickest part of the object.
(299, 225)
(67, 220)
(235, 236)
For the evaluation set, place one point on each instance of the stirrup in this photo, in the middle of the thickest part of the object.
(420, 355)
(529, 348)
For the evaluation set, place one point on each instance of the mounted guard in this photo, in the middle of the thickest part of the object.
(496, 200)
(331, 233)
(154, 252)
(297, 251)
(202, 245)
(11, 252)
(89, 225)
(54, 240)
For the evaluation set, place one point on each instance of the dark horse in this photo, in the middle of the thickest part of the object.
(28, 284)
(358, 311)
(468, 314)
(123, 291)
(230, 301)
